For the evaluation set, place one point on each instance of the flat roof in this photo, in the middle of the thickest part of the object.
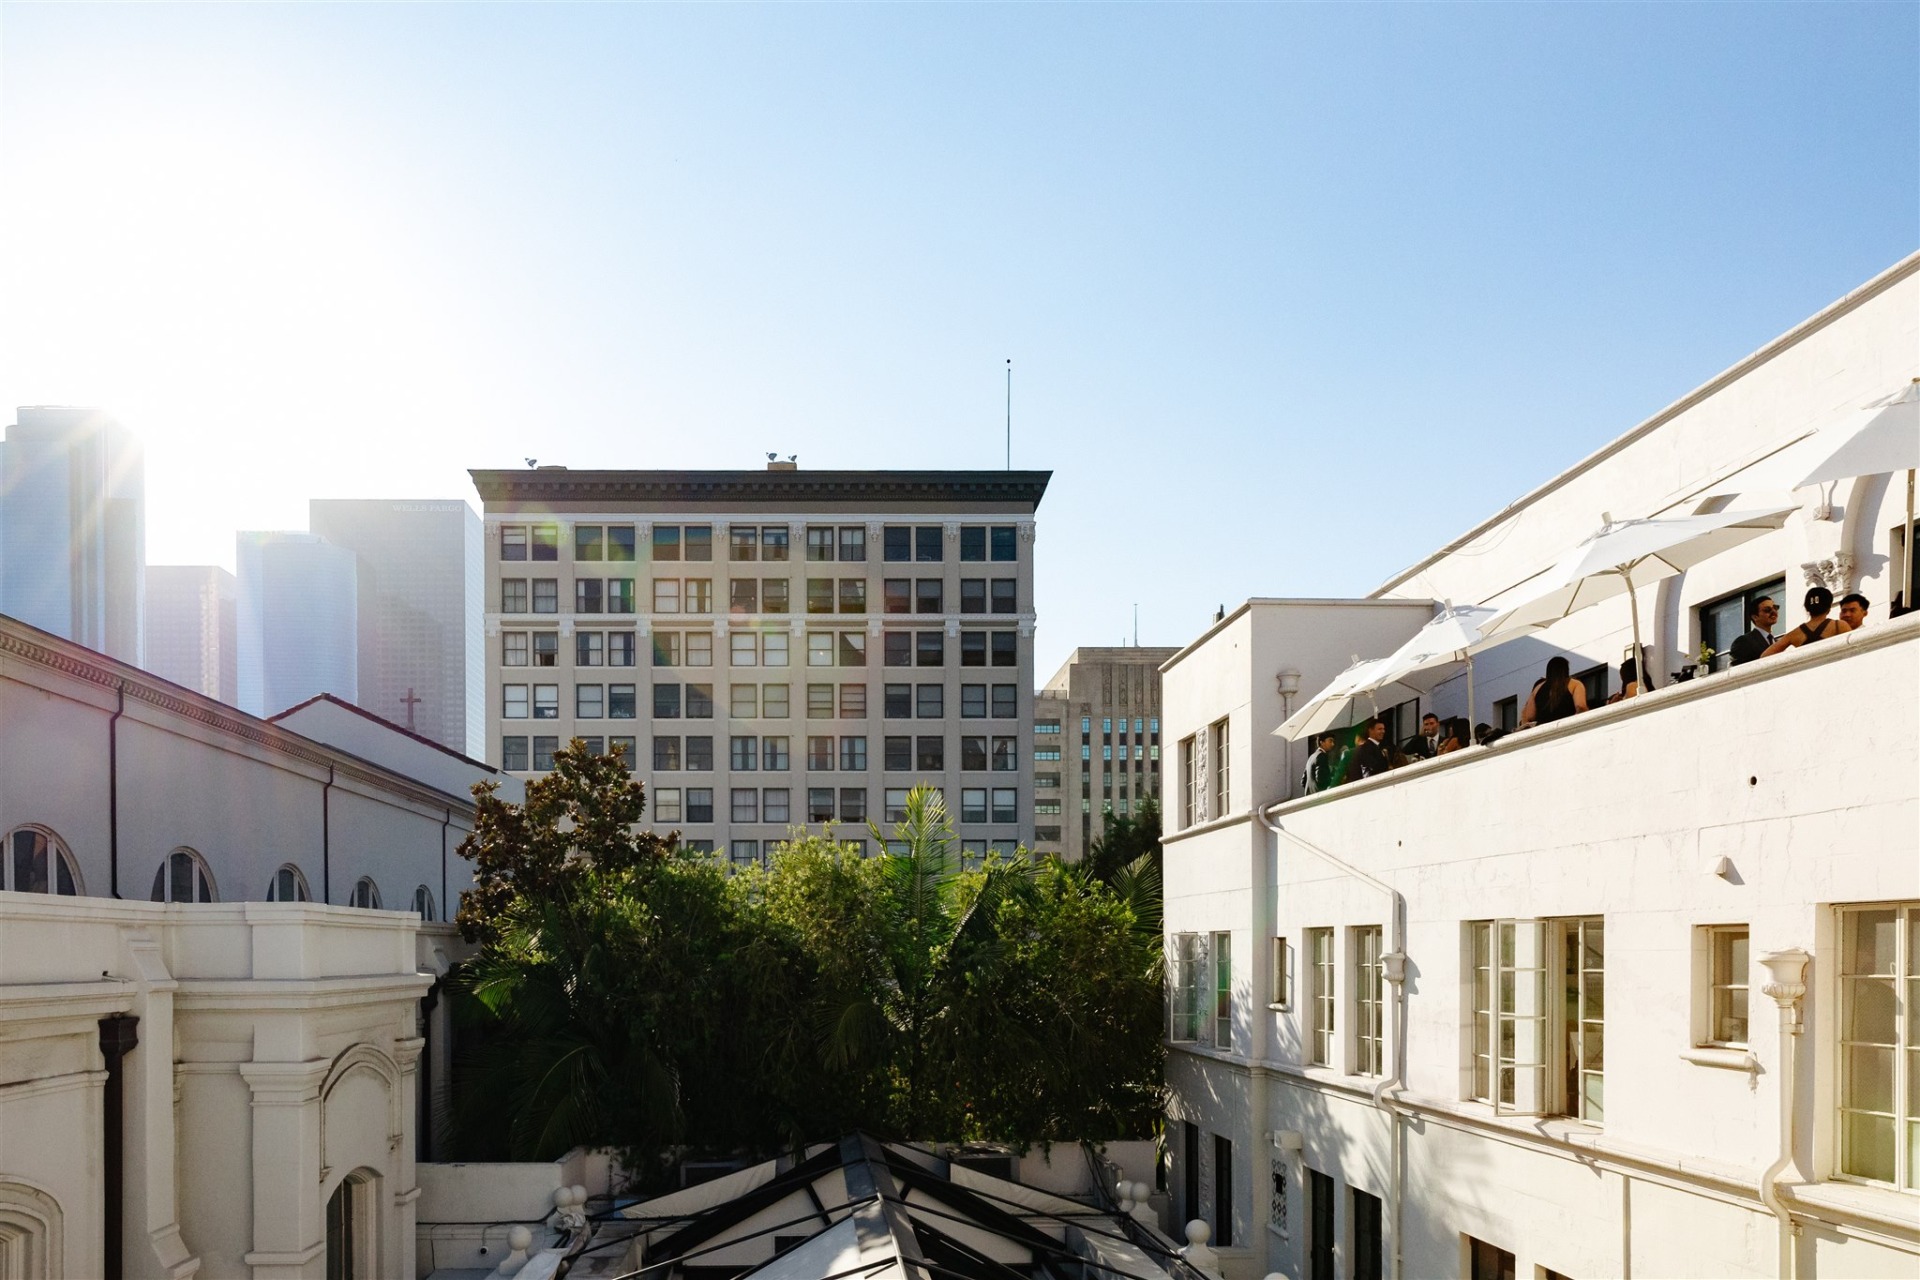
(561, 484)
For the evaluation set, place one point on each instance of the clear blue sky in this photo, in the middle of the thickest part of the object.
(1293, 293)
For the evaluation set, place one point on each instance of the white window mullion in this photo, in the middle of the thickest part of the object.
(1520, 1032)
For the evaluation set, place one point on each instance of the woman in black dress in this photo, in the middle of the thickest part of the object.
(1556, 696)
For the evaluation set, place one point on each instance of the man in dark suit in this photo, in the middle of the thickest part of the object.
(1424, 745)
(1370, 756)
(1759, 633)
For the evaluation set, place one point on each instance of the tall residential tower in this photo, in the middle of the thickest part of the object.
(774, 648)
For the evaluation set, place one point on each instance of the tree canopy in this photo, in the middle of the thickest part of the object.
(631, 994)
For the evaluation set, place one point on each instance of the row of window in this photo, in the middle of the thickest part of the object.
(770, 542)
(37, 861)
(695, 805)
(759, 595)
(694, 701)
(762, 649)
(1535, 996)
(773, 753)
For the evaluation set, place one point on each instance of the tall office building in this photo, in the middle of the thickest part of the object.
(298, 626)
(1096, 745)
(773, 649)
(73, 522)
(421, 588)
(193, 627)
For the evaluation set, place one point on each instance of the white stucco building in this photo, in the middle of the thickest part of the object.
(1630, 994)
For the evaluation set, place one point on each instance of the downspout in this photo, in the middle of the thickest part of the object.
(119, 1033)
(113, 794)
(1787, 985)
(1394, 966)
(326, 839)
(445, 904)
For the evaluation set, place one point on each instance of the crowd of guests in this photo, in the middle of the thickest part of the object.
(1557, 695)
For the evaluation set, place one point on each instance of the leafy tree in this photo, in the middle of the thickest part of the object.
(1126, 840)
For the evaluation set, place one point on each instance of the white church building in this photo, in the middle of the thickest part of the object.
(1632, 993)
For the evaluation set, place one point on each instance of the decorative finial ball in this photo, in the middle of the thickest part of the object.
(519, 1238)
(1198, 1232)
(579, 1195)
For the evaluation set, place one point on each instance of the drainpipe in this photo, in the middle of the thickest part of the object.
(326, 840)
(119, 1033)
(113, 794)
(1787, 985)
(1394, 968)
(445, 905)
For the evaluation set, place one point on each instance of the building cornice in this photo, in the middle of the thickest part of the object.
(560, 485)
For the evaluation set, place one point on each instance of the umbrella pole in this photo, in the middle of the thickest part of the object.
(1642, 676)
(1470, 713)
(1907, 600)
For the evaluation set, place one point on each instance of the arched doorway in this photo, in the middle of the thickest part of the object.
(352, 1245)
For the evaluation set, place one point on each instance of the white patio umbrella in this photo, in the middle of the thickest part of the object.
(1623, 556)
(1451, 636)
(1878, 440)
(1323, 709)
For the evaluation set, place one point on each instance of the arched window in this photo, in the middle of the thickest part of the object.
(183, 877)
(288, 885)
(36, 861)
(365, 894)
(423, 903)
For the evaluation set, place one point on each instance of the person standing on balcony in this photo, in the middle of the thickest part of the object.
(1320, 765)
(1853, 610)
(1555, 696)
(1371, 757)
(1424, 745)
(1753, 642)
(1818, 625)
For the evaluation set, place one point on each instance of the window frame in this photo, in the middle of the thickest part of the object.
(1322, 1007)
(1902, 981)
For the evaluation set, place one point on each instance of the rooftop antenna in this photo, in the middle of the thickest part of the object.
(533, 462)
(1136, 624)
(1009, 413)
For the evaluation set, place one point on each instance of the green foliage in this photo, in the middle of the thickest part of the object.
(629, 995)
(1125, 841)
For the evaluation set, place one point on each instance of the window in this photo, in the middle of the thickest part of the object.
(819, 804)
(666, 648)
(1223, 990)
(1366, 1235)
(743, 753)
(929, 648)
(774, 753)
(513, 595)
(820, 648)
(853, 804)
(595, 745)
(1320, 1219)
(973, 754)
(1879, 1043)
(666, 801)
(852, 649)
(819, 542)
(619, 648)
(513, 753)
(896, 542)
(1593, 681)
(666, 595)
(1222, 1190)
(930, 753)
(775, 594)
(1320, 1008)
(929, 701)
(513, 702)
(182, 877)
(853, 595)
(1369, 992)
(288, 885)
(1724, 620)
(513, 649)
(699, 541)
(743, 543)
(699, 702)
(1006, 804)
(1280, 992)
(621, 701)
(897, 649)
(1725, 1005)
(1004, 596)
(546, 702)
(820, 753)
(853, 702)
(743, 649)
(819, 702)
(973, 702)
(1506, 713)
(853, 544)
(1046, 726)
(773, 649)
(546, 542)
(897, 701)
(743, 701)
(1189, 780)
(666, 702)
(895, 809)
(513, 542)
(1046, 808)
(926, 544)
(1003, 542)
(365, 892)
(1006, 701)
(546, 595)
(1533, 1055)
(773, 702)
(1188, 954)
(819, 595)
(743, 595)
(973, 543)
(926, 595)
(1006, 649)
(666, 753)
(622, 745)
(744, 804)
(1485, 1262)
(589, 649)
(775, 805)
(589, 701)
(699, 804)
(1048, 755)
(973, 804)
(1221, 791)
(586, 595)
(773, 542)
(744, 853)
(853, 753)
(973, 595)
(896, 595)
(698, 595)
(898, 753)
(973, 648)
(544, 747)
(423, 903)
